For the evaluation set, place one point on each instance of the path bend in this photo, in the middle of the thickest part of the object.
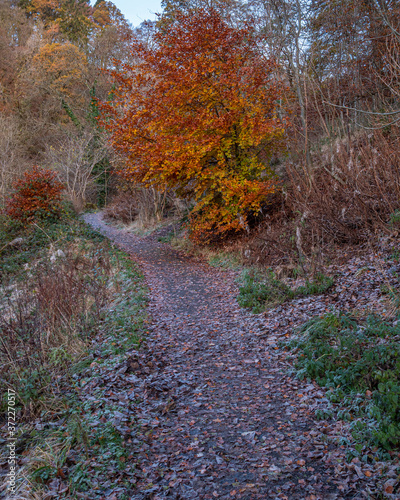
(225, 419)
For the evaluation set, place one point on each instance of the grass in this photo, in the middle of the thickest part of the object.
(37, 240)
(395, 218)
(64, 323)
(215, 257)
(166, 239)
(261, 290)
(225, 260)
(359, 362)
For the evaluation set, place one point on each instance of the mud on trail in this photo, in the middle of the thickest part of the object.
(220, 415)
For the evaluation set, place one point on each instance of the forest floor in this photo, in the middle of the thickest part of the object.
(220, 412)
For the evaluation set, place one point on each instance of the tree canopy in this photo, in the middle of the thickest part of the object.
(198, 111)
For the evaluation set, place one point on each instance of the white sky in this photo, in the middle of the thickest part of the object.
(137, 11)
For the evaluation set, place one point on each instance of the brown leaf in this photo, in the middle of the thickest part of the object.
(388, 487)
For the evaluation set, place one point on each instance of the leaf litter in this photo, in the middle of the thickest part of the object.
(220, 412)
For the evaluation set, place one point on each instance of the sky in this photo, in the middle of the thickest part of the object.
(137, 11)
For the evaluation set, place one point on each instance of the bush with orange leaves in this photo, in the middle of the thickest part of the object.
(198, 111)
(37, 195)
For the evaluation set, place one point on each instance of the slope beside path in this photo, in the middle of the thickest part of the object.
(220, 415)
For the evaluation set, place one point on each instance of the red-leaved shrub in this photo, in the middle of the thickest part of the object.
(37, 195)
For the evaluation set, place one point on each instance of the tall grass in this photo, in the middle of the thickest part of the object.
(46, 321)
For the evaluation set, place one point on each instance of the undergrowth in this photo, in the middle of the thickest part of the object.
(360, 364)
(261, 290)
(214, 256)
(21, 246)
(71, 306)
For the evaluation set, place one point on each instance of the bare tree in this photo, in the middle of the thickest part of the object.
(76, 159)
(284, 26)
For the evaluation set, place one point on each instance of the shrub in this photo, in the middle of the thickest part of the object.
(353, 194)
(144, 205)
(357, 362)
(37, 195)
(256, 291)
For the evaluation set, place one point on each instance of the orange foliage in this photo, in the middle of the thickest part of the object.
(37, 195)
(47, 10)
(60, 67)
(197, 111)
(101, 15)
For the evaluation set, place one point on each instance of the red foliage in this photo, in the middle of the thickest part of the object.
(199, 111)
(37, 195)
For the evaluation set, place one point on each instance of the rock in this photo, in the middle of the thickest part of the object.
(57, 254)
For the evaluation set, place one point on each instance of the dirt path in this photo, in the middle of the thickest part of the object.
(221, 417)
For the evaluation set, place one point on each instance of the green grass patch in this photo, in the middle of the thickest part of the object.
(394, 218)
(224, 260)
(360, 364)
(262, 290)
(166, 239)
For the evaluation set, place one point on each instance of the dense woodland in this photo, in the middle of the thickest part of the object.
(53, 61)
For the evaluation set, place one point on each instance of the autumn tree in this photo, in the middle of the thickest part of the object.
(57, 73)
(61, 68)
(11, 157)
(110, 38)
(15, 31)
(74, 21)
(199, 111)
(52, 57)
(45, 10)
